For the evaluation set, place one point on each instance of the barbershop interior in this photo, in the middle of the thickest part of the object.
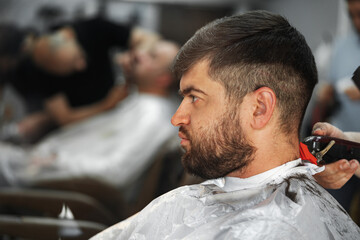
(87, 96)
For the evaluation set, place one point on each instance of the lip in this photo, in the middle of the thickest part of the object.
(183, 138)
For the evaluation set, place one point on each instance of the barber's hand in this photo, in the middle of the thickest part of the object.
(326, 129)
(33, 125)
(336, 174)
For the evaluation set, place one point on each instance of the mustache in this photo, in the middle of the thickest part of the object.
(185, 132)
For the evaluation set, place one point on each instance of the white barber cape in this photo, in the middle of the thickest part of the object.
(116, 146)
(282, 203)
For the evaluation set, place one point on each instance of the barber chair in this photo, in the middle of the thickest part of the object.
(49, 203)
(39, 214)
(42, 228)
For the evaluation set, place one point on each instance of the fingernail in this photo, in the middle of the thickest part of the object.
(316, 129)
(353, 165)
(345, 165)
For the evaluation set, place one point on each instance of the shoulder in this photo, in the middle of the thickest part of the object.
(309, 206)
(266, 227)
(153, 220)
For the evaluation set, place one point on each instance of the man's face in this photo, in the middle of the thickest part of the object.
(354, 12)
(149, 63)
(210, 127)
(142, 65)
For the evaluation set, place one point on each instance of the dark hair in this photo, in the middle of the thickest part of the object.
(252, 50)
(11, 38)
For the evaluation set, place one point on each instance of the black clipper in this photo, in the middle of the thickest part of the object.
(328, 149)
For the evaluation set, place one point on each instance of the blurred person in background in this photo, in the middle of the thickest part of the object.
(345, 58)
(116, 146)
(341, 95)
(67, 75)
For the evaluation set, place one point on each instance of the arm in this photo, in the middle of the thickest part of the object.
(338, 173)
(62, 113)
(34, 125)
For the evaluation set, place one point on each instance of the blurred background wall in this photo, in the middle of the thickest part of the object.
(175, 19)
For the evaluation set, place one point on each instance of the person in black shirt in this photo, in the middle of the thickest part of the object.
(68, 75)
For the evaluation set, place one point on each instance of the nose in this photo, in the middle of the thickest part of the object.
(181, 116)
(140, 56)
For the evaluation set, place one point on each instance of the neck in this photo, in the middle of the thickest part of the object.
(272, 153)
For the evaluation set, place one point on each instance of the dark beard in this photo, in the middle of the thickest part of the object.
(218, 151)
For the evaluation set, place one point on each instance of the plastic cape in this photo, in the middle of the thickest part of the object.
(282, 203)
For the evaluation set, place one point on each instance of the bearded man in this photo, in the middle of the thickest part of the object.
(246, 81)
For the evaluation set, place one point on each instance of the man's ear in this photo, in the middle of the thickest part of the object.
(264, 104)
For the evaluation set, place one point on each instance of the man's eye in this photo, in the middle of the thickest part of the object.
(193, 99)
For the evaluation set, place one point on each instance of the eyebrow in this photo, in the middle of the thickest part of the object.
(187, 90)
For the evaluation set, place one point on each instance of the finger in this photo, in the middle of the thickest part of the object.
(324, 128)
(349, 167)
(344, 165)
(349, 172)
(357, 172)
(338, 173)
(334, 171)
(337, 167)
(319, 128)
(354, 165)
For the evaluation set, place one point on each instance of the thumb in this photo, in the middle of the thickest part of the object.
(320, 128)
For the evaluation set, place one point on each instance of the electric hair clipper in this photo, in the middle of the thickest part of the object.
(328, 149)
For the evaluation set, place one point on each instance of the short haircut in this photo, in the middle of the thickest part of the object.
(252, 50)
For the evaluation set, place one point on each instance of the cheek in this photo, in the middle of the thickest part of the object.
(202, 122)
(145, 68)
